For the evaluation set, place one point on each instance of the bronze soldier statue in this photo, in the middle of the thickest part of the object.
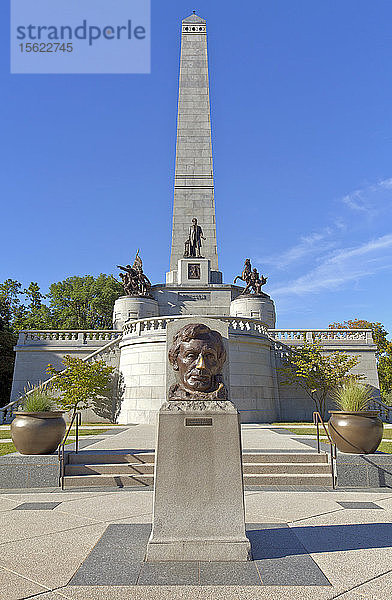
(134, 281)
(252, 279)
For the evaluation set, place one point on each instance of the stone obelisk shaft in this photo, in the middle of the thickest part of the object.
(194, 185)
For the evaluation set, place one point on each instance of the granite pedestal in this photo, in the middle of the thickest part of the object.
(199, 497)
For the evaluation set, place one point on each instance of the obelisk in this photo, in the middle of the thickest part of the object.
(194, 183)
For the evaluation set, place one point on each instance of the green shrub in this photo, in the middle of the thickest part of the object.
(38, 400)
(352, 396)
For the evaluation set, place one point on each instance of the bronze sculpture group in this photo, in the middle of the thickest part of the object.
(252, 279)
(135, 282)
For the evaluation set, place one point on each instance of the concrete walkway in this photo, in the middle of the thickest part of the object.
(87, 545)
(254, 437)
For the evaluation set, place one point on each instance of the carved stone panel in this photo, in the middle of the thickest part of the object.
(193, 271)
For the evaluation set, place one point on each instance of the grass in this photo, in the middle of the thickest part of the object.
(383, 447)
(6, 433)
(312, 431)
(7, 449)
(304, 431)
(294, 423)
(87, 431)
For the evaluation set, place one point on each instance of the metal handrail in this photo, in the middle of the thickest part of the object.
(385, 409)
(317, 418)
(77, 417)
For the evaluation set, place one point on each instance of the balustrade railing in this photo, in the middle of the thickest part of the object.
(324, 335)
(159, 324)
(67, 335)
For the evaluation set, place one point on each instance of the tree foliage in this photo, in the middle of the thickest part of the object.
(317, 374)
(81, 383)
(84, 302)
(383, 352)
(75, 303)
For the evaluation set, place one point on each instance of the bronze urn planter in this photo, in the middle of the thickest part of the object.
(37, 432)
(356, 432)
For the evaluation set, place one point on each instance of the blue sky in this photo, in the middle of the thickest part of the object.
(302, 135)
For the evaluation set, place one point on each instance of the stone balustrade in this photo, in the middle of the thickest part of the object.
(159, 324)
(105, 351)
(288, 336)
(73, 336)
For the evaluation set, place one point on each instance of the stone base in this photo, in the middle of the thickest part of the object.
(199, 496)
(133, 307)
(364, 470)
(205, 550)
(254, 307)
(29, 471)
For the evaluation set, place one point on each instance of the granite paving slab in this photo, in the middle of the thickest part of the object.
(174, 573)
(360, 505)
(117, 557)
(37, 506)
(277, 568)
(16, 587)
(226, 573)
(279, 558)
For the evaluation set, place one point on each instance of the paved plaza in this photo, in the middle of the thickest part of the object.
(306, 542)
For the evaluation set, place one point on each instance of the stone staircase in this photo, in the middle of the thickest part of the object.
(94, 469)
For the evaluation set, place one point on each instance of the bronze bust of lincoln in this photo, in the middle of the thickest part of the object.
(197, 354)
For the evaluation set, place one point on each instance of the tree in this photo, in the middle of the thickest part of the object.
(84, 302)
(81, 383)
(10, 291)
(7, 358)
(317, 374)
(34, 315)
(383, 351)
(76, 303)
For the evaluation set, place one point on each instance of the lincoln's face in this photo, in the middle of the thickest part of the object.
(197, 364)
(194, 221)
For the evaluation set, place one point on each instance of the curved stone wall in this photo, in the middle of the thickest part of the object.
(133, 307)
(143, 362)
(254, 307)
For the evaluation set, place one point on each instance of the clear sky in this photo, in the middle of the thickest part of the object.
(302, 137)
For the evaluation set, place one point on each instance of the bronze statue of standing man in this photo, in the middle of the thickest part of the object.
(193, 243)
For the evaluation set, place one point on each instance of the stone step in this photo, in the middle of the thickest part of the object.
(148, 468)
(110, 468)
(298, 479)
(284, 457)
(287, 468)
(94, 458)
(106, 480)
(262, 479)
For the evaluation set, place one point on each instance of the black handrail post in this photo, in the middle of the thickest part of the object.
(316, 422)
(332, 467)
(61, 450)
(77, 433)
(317, 418)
